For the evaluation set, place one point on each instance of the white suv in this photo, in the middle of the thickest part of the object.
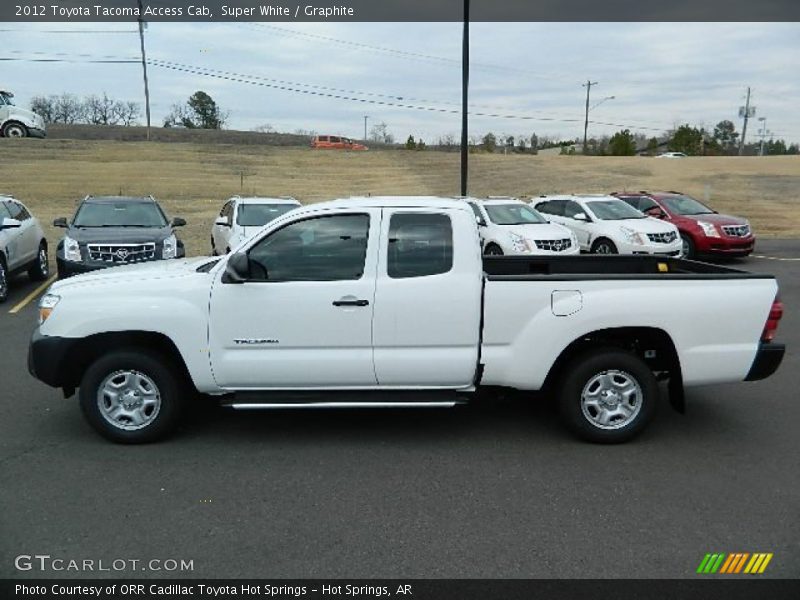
(22, 244)
(608, 225)
(509, 226)
(240, 218)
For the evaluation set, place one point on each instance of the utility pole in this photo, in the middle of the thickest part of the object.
(588, 85)
(144, 68)
(464, 99)
(365, 127)
(746, 114)
(762, 134)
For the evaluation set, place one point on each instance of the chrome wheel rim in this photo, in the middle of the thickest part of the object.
(603, 249)
(611, 399)
(684, 247)
(15, 131)
(43, 267)
(128, 400)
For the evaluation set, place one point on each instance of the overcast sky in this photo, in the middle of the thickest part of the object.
(660, 74)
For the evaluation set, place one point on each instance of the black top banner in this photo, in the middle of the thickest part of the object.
(398, 10)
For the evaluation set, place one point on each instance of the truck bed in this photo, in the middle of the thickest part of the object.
(511, 268)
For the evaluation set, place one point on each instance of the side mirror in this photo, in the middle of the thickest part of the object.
(178, 222)
(222, 221)
(656, 212)
(60, 222)
(9, 223)
(238, 269)
(581, 216)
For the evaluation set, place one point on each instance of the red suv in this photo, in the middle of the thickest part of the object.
(703, 230)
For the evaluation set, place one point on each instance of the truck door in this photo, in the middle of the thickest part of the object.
(428, 298)
(304, 319)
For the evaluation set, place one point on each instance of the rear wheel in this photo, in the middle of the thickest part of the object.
(15, 130)
(607, 396)
(604, 246)
(131, 397)
(493, 250)
(40, 270)
(687, 246)
(3, 281)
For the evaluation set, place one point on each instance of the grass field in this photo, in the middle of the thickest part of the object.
(193, 180)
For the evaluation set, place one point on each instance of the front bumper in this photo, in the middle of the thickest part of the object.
(671, 249)
(725, 246)
(48, 359)
(767, 360)
(37, 133)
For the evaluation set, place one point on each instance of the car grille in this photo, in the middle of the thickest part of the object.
(662, 238)
(736, 230)
(554, 245)
(122, 254)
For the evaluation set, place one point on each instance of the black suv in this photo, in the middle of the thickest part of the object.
(107, 231)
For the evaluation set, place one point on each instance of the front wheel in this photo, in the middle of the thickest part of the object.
(604, 246)
(493, 250)
(607, 396)
(40, 270)
(15, 130)
(687, 247)
(131, 397)
(3, 281)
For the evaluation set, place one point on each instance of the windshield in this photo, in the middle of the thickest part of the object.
(686, 205)
(6, 98)
(119, 214)
(614, 210)
(256, 215)
(513, 214)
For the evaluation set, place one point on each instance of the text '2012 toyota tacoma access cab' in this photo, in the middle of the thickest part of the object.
(388, 302)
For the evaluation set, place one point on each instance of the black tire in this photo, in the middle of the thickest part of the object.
(40, 270)
(493, 250)
(604, 246)
(689, 250)
(15, 130)
(584, 375)
(161, 374)
(3, 280)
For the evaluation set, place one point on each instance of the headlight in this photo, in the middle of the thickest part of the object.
(631, 236)
(46, 306)
(708, 229)
(170, 249)
(519, 243)
(72, 250)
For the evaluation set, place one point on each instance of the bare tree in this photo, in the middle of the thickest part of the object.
(44, 106)
(380, 133)
(68, 109)
(127, 112)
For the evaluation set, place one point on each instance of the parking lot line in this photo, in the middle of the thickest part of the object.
(32, 296)
(773, 257)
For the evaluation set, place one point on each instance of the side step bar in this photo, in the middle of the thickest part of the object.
(279, 400)
(310, 405)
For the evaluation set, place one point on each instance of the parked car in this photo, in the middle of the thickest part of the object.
(510, 226)
(607, 225)
(672, 155)
(23, 246)
(241, 218)
(108, 231)
(387, 302)
(703, 230)
(17, 122)
(336, 142)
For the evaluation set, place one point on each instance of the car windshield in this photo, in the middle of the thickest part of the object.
(614, 210)
(6, 98)
(686, 205)
(513, 214)
(256, 215)
(119, 214)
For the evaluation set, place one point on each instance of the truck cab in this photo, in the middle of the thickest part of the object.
(16, 122)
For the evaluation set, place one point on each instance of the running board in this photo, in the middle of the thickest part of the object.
(345, 399)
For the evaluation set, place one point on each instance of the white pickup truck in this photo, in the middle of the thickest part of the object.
(373, 302)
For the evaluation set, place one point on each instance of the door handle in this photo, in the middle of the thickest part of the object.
(351, 302)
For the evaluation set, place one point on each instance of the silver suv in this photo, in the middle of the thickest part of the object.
(22, 244)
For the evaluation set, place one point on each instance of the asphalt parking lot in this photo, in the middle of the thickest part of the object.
(496, 489)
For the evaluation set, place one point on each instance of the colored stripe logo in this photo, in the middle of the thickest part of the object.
(734, 563)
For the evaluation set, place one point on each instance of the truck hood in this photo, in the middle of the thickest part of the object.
(29, 118)
(542, 231)
(648, 225)
(119, 235)
(157, 269)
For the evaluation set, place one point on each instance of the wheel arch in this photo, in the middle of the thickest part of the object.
(13, 122)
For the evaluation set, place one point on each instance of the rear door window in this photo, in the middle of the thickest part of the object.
(552, 207)
(420, 244)
(572, 208)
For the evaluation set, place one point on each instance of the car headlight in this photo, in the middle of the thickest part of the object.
(708, 228)
(72, 250)
(170, 249)
(631, 236)
(46, 306)
(519, 243)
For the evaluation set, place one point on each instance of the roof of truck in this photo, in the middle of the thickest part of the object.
(395, 201)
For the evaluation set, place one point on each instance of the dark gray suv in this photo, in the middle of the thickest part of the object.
(108, 231)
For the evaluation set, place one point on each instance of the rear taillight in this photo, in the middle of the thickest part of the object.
(775, 314)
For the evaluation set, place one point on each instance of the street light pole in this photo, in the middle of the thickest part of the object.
(464, 99)
(588, 85)
(763, 133)
(144, 68)
(365, 127)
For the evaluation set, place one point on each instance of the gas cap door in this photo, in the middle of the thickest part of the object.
(564, 303)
